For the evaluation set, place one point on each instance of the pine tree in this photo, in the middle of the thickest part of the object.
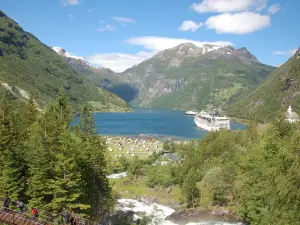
(66, 185)
(40, 168)
(93, 166)
(252, 127)
(190, 192)
(86, 123)
(13, 165)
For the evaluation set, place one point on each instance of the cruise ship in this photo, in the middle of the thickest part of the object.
(190, 112)
(211, 122)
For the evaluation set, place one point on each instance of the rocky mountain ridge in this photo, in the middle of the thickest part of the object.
(188, 76)
(185, 76)
(271, 98)
(175, 56)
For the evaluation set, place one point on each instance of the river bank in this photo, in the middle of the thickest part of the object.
(140, 194)
(165, 215)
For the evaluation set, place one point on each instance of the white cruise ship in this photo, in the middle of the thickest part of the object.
(211, 122)
(190, 112)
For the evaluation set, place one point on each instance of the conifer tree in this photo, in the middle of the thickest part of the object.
(13, 165)
(66, 185)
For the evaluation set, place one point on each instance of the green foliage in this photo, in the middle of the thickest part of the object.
(190, 192)
(28, 64)
(195, 81)
(166, 145)
(49, 165)
(135, 167)
(268, 179)
(272, 96)
(164, 176)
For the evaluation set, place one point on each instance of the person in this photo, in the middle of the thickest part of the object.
(6, 201)
(34, 213)
(20, 206)
(74, 219)
(67, 218)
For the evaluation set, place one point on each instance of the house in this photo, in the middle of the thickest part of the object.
(291, 116)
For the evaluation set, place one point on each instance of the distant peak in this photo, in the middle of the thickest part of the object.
(104, 69)
(63, 52)
(187, 44)
(297, 53)
(2, 14)
(243, 49)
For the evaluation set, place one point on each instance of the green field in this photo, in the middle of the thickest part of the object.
(132, 188)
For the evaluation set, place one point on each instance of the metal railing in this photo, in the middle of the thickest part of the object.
(44, 217)
(13, 217)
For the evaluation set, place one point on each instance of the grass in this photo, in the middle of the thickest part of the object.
(27, 63)
(271, 98)
(132, 188)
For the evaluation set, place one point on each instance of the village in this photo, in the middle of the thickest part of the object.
(141, 146)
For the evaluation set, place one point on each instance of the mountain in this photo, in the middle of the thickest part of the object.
(187, 76)
(28, 68)
(103, 77)
(273, 96)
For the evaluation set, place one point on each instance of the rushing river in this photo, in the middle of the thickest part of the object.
(160, 123)
(160, 213)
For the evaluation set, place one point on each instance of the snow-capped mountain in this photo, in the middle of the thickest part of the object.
(192, 76)
(77, 62)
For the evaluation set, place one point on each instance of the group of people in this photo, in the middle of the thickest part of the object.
(70, 218)
(19, 204)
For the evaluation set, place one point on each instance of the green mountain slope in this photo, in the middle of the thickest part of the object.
(102, 77)
(28, 65)
(188, 77)
(273, 96)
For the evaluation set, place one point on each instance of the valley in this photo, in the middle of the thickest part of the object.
(28, 66)
(136, 129)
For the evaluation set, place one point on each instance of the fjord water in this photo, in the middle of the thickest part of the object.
(160, 123)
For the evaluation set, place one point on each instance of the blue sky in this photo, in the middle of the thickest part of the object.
(118, 33)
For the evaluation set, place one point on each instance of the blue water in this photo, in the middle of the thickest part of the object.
(159, 123)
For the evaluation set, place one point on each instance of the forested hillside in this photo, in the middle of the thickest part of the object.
(49, 165)
(273, 96)
(252, 175)
(30, 69)
(193, 77)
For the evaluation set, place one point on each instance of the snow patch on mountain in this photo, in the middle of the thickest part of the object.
(63, 52)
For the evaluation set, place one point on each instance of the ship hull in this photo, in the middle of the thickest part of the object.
(190, 114)
(208, 127)
(205, 126)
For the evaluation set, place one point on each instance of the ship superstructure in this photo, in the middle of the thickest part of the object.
(211, 122)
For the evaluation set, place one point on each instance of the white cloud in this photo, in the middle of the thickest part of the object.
(120, 61)
(108, 28)
(222, 6)
(189, 25)
(160, 43)
(274, 9)
(238, 23)
(290, 52)
(69, 2)
(123, 19)
(71, 17)
(102, 21)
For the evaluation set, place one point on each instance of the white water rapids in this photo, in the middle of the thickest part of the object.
(158, 212)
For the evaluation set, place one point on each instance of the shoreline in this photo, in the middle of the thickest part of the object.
(182, 215)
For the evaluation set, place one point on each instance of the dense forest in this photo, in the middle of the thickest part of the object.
(52, 166)
(254, 174)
